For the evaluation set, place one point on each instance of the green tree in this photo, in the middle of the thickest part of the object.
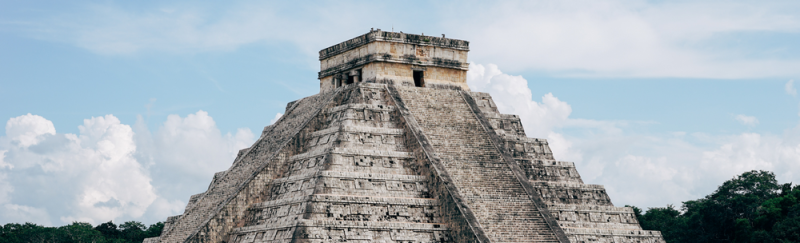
(154, 230)
(787, 208)
(667, 220)
(80, 233)
(29, 232)
(77, 232)
(751, 207)
(727, 215)
(109, 230)
(132, 231)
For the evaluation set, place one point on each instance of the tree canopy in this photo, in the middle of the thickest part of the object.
(752, 207)
(78, 232)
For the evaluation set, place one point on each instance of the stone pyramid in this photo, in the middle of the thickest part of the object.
(395, 148)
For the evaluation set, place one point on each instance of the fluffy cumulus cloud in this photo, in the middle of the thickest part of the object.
(185, 152)
(512, 96)
(108, 171)
(27, 130)
(90, 177)
(637, 167)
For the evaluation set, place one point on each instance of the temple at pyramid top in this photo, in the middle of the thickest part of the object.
(396, 58)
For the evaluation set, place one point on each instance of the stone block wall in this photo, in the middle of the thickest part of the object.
(379, 56)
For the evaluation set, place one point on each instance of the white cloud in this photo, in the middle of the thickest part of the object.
(194, 145)
(790, 88)
(80, 172)
(747, 120)
(277, 116)
(183, 155)
(625, 38)
(749, 151)
(27, 130)
(108, 171)
(512, 96)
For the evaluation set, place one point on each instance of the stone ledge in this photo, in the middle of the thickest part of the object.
(347, 225)
(362, 129)
(361, 107)
(313, 153)
(374, 153)
(389, 58)
(585, 231)
(374, 176)
(280, 202)
(600, 225)
(589, 208)
(396, 37)
(374, 200)
(553, 184)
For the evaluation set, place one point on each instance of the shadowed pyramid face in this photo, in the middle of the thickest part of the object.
(400, 162)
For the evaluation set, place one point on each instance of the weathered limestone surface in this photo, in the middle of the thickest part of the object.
(383, 56)
(388, 158)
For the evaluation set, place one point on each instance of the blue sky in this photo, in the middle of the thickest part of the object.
(134, 106)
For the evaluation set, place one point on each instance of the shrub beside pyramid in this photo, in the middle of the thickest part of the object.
(395, 148)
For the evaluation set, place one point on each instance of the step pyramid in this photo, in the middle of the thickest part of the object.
(375, 158)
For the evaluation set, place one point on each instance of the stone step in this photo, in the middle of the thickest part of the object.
(358, 129)
(612, 232)
(549, 170)
(572, 193)
(337, 224)
(590, 208)
(360, 106)
(376, 209)
(570, 185)
(336, 231)
(602, 225)
(388, 185)
(351, 152)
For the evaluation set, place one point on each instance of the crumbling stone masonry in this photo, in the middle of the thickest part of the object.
(395, 148)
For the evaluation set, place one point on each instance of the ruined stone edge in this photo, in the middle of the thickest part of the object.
(382, 58)
(374, 36)
(244, 184)
(518, 173)
(422, 139)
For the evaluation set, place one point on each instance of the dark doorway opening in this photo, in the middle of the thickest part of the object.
(350, 79)
(419, 80)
